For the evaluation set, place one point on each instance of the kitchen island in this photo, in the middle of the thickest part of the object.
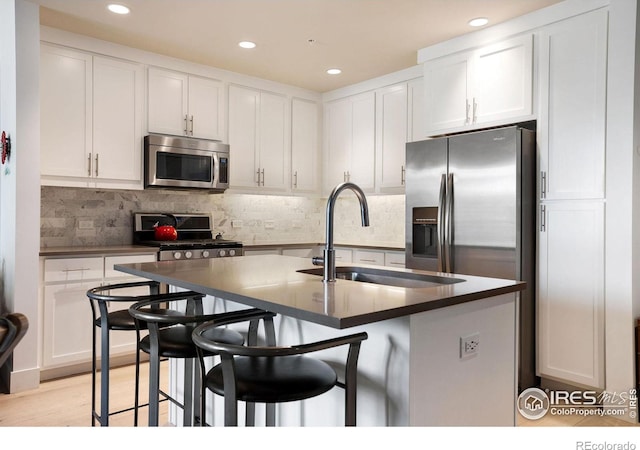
(413, 369)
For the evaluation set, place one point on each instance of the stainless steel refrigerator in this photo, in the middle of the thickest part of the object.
(470, 209)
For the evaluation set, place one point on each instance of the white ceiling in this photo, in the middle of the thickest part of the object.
(365, 38)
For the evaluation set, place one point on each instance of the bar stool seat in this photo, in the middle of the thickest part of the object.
(264, 379)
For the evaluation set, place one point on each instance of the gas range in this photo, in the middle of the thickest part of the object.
(195, 237)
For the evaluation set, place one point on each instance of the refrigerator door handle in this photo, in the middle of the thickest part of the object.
(441, 221)
(448, 254)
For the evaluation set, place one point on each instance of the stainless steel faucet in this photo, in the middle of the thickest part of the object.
(329, 259)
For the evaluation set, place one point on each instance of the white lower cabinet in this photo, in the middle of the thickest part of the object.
(67, 319)
(394, 259)
(67, 324)
(571, 292)
(368, 257)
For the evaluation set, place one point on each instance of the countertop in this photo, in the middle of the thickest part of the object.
(272, 282)
(96, 250)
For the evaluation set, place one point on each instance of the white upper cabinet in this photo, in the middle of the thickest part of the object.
(304, 146)
(391, 137)
(350, 141)
(91, 120)
(417, 130)
(258, 140)
(185, 105)
(488, 86)
(571, 129)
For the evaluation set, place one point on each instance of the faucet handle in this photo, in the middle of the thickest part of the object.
(317, 261)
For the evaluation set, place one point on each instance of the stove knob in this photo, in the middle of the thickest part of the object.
(205, 253)
(177, 255)
(232, 253)
(222, 253)
(188, 255)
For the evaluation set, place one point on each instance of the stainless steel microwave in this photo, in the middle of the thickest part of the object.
(185, 163)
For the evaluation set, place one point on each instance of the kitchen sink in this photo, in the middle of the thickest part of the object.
(386, 277)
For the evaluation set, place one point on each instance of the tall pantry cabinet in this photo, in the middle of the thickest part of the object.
(571, 140)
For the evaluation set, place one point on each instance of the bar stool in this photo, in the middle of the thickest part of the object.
(101, 299)
(271, 375)
(170, 337)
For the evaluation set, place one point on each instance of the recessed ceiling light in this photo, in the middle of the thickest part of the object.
(334, 71)
(247, 44)
(478, 22)
(118, 9)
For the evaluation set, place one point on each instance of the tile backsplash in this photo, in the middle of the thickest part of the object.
(89, 217)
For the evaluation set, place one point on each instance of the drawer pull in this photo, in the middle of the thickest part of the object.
(367, 260)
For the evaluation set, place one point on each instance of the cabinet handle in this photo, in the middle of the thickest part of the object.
(186, 132)
(258, 175)
(295, 179)
(402, 175)
(97, 154)
(475, 110)
(466, 116)
(367, 260)
(89, 165)
(543, 218)
(263, 177)
(191, 120)
(543, 184)
(393, 263)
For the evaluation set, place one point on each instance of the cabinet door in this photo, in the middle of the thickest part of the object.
(503, 87)
(273, 144)
(571, 293)
(304, 146)
(338, 122)
(446, 84)
(67, 324)
(117, 119)
(65, 112)
(167, 102)
(571, 129)
(417, 111)
(205, 108)
(244, 105)
(362, 162)
(391, 137)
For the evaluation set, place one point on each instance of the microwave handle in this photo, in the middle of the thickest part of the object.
(216, 169)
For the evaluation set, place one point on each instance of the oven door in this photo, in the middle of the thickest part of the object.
(185, 168)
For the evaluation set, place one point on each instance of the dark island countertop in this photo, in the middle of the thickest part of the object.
(272, 282)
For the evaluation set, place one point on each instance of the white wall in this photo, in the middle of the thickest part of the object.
(20, 179)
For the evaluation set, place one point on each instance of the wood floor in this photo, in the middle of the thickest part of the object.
(66, 402)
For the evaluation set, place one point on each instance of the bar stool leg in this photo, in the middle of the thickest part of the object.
(136, 403)
(104, 371)
(154, 379)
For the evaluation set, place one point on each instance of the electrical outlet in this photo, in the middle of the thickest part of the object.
(469, 345)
